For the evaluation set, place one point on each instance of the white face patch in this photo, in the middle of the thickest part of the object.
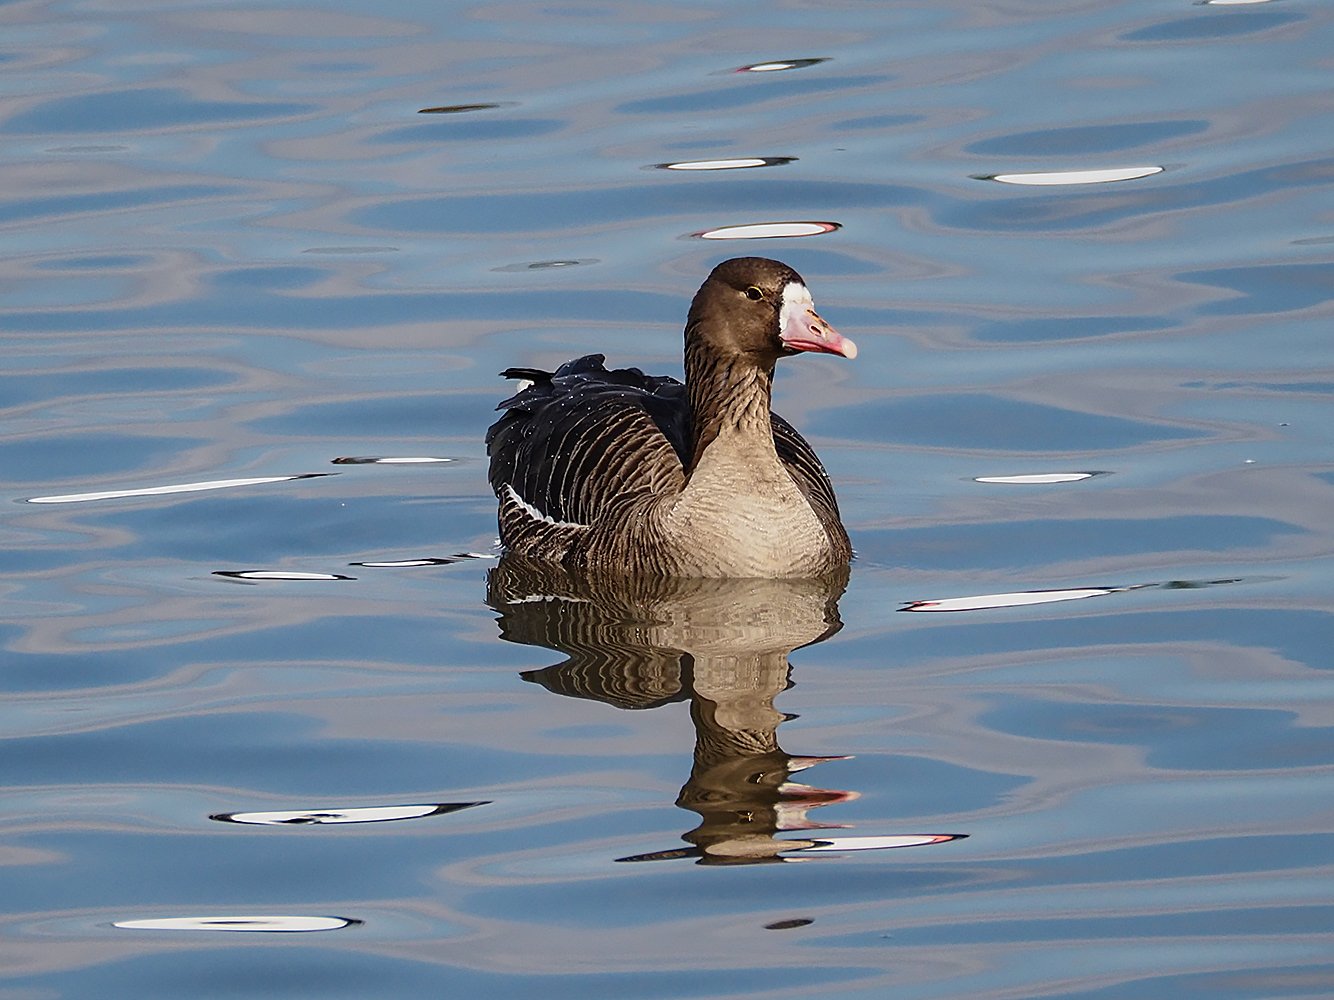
(796, 300)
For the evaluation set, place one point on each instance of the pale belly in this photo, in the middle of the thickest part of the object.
(767, 536)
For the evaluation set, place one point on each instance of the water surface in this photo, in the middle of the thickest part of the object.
(296, 730)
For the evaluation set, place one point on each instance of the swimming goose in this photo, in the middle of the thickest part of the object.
(618, 471)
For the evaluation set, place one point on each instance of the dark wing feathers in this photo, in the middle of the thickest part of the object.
(805, 469)
(582, 436)
(531, 374)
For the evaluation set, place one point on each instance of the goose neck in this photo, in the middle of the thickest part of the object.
(729, 404)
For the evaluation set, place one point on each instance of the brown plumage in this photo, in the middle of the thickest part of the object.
(618, 471)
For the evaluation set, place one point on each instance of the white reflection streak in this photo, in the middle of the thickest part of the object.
(403, 563)
(269, 924)
(281, 574)
(1103, 176)
(150, 491)
(776, 65)
(737, 164)
(363, 814)
(410, 460)
(874, 843)
(1037, 478)
(390, 460)
(983, 602)
(766, 230)
(426, 561)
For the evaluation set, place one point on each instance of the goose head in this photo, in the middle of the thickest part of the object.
(761, 309)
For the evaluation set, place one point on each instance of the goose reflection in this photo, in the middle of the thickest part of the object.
(721, 645)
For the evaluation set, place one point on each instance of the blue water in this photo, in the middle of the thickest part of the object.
(234, 249)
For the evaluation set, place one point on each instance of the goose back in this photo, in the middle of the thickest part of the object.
(575, 438)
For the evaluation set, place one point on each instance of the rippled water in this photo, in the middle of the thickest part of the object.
(1066, 731)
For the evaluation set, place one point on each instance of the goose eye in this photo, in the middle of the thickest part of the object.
(754, 294)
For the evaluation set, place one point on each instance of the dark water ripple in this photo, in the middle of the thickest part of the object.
(247, 288)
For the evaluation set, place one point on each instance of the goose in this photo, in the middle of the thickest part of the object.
(621, 472)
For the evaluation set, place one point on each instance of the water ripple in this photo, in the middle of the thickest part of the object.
(245, 239)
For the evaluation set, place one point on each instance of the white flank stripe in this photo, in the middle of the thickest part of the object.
(536, 514)
(150, 491)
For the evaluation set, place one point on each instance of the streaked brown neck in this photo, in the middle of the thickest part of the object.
(729, 402)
